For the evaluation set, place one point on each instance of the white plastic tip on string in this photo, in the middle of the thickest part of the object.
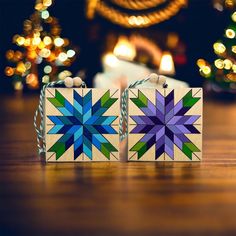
(68, 82)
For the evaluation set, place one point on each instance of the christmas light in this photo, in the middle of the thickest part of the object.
(219, 63)
(153, 11)
(36, 41)
(27, 42)
(219, 48)
(231, 77)
(38, 60)
(201, 62)
(30, 78)
(229, 3)
(20, 41)
(222, 73)
(45, 53)
(234, 16)
(39, 47)
(234, 68)
(21, 68)
(9, 54)
(47, 3)
(70, 53)
(227, 64)
(230, 33)
(38, 6)
(47, 40)
(233, 49)
(18, 56)
(45, 14)
(47, 69)
(62, 57)
(9, 71)
(32, 55)
(45, 79)
(58, 42)
(18, 85)
(206, 70)
(27, 65)
(136, 20)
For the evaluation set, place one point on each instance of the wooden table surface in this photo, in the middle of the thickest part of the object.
(116, 198)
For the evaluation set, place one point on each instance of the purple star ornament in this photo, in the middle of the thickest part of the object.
(165, 124)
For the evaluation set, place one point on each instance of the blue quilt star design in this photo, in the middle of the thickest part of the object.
(82, 124)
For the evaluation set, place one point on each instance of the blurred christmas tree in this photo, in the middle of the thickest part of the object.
(222, 74)
(43, 53)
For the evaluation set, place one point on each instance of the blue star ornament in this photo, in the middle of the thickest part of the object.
(83, 124)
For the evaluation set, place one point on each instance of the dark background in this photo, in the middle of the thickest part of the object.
(199, 26)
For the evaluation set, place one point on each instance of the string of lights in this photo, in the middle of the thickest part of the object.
(137, 19)
(39, 47)
(223, 70)
(138, 4)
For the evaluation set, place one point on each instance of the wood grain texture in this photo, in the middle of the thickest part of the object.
(116, 198)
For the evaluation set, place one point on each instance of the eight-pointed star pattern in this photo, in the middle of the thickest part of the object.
(165, 124)
(82, 124)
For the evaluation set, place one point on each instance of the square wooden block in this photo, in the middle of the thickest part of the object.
(82, 124)
(165, 124)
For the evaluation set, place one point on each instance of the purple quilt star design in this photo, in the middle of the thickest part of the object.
(165, 124)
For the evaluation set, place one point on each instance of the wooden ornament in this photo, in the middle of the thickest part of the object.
(165, 124)
(82, 124)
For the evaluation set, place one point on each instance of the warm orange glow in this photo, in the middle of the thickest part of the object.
(9, 54)
(38, 46)
(18, 85)
(32, 55)
(32, 80)
(36, 41)
(27, 42)
(20, 41)
(201, 63)
(9, 71)
(18, 55)
(20, 68)
(41, 45)
(124, 49)
(39, 6)
(167, 64)
(110, 60)
(47, 3)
